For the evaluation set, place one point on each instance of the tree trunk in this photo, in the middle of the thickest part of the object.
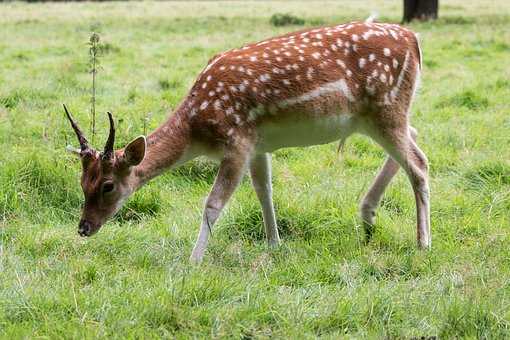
(420, 9)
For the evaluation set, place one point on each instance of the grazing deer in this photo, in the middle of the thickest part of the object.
(304, 88)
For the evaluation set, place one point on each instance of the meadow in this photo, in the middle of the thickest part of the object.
(133, 279)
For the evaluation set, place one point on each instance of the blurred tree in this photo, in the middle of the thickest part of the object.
(420, 9)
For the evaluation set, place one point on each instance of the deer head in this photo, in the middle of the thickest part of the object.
(107, 176)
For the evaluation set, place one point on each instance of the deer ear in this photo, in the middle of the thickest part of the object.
(134, 152)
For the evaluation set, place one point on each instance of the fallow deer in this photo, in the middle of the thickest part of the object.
(303, 88)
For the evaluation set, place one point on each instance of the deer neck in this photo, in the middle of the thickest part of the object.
(167, 147)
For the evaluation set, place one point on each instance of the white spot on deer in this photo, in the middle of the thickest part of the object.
(288, 54)
(237, 105)
(225, 97)
(298, 77)
(371, 57)
(386, 68)
(355, 37)
(346, 51)
(242, 87)
(375, 73)
(232, 67)
(386, 99)
(208, 78)
(391, 79)
(396, 89)
(276, 70)
(349, 73)
(301, 58)
(309, 73)
(368, 34)
(286, 81)
(277, 91)
(237, 119)
(229, 111)
(383, 77)
(395, 63)
(253, 58)
(241, 69)
(333, 47)
(249, 72)
(222, 68)
(276, 52)
(333, 87)
(387, 51)
(265, 55)
(340, 62)
(233, 88)
(295, 66)
(204, 104)
(255, 89)
(204, 85)
(211, 93)
(316, 55)
(264, 77)
(347, 44)
(318, 36)
(362, 62)
(230, 132)
(306, 40)
(217, 104)
(339, 42)
(279, 59)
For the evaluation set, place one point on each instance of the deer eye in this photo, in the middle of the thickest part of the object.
(108, 187)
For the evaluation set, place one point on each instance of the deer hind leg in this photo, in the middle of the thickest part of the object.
(260, 170)
(372, 198)
(231, 171)
(401, 147)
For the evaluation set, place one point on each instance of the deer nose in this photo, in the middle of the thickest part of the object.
(84, 228)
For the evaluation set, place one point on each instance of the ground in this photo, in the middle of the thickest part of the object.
(133, 278)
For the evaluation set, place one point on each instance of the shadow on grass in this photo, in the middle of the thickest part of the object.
(489, 175)
(469, 99)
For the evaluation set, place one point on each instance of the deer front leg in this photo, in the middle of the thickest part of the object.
(231, 171)
(260, 170)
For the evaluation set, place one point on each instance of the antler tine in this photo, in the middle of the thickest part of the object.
(108, 148)
(81, 138)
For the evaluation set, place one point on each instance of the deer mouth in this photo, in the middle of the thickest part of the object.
(86, 229)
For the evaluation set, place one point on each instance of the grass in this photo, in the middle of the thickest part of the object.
(133, 279)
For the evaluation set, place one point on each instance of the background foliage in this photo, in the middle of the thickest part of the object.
(133, 278)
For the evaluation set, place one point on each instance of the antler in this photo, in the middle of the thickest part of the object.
(108, 148)
(81, 138)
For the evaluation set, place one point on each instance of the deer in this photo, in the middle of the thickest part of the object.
(304, 88)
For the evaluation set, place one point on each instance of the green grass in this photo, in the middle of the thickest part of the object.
(133, 279)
